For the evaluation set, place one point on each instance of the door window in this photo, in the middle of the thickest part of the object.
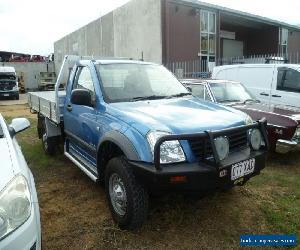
(83, 80)
(288, 80)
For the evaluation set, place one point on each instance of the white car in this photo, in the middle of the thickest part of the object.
(20, 226)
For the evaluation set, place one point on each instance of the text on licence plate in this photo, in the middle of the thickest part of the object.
(242, 168)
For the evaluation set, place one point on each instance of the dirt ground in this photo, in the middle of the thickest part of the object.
(5, 101)
(75, 214)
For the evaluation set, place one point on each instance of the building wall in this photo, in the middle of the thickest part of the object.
(182, 32)
(133, 31)
(294, 43)
(94, 39)
(31, 71)
(137, 30)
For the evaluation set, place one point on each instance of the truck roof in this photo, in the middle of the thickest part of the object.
(6, 69)
(117, 61)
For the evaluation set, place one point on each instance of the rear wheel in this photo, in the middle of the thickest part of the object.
(128, 200)
(49, 143)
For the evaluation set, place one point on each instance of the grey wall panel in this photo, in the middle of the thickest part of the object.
(137, 30)
(129, 31)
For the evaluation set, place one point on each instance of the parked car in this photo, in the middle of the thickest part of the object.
(271, 83)
(283, 121)
(135, 126)
(8, 82)
(19, 210)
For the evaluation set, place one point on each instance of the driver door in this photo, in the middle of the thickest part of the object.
(81, 122)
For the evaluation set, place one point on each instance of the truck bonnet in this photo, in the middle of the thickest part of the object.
(178, 115)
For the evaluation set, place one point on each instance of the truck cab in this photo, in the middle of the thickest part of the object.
(8, 83)
(133, 125)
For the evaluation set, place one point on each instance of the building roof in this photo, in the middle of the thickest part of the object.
(239, 13)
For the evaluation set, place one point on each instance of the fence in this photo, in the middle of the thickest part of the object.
(203, 68)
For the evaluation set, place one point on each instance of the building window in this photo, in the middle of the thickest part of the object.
(283, 41)
(207, 38)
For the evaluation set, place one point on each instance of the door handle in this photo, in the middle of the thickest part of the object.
(69, 107)
(276, 95)
(263, 93)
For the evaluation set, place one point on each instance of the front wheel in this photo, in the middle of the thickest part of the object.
(128, 200)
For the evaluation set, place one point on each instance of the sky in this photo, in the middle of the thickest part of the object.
(32, 26)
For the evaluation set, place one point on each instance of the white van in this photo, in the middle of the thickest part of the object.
(9, 83)
(273, 83)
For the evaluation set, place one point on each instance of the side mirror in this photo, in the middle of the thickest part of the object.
(189, 89)
(81, 97)
(18, 125)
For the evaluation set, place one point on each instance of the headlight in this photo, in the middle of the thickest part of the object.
(170, 151)
(255, 139)
(16, 88)
(15, 205)
(222, 147)
(297, 134)
(248, 120)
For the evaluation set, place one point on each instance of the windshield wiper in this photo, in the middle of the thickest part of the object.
(151, 97)
(230, 100)
(251, 100)
(179, 95)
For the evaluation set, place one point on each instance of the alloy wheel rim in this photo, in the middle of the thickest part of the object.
(45, 141)
(117, 194)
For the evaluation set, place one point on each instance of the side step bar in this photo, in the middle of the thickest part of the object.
(78, 164)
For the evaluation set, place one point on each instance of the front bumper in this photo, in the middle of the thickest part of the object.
(28, 235)
(204, 175)
(196, 177)
(285, 146)
(9, 93)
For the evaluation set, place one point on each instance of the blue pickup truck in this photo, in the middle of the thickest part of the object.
(133, 125)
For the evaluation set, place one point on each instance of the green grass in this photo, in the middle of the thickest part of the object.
(278, 191)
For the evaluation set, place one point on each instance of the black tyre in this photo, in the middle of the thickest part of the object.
(17, 97)
(49, 143)
(128, 200)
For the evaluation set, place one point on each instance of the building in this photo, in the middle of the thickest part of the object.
(169, 31)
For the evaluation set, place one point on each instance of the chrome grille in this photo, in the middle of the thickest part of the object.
(201, 148)
(4, 86)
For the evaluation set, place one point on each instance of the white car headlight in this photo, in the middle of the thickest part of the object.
(16, 88)
(248, 120)
(170, 151)
(222, 147)
(15, 205)
(255, 139)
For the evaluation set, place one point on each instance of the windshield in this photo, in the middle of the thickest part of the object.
(199, 91)
(230, 92)
(9, 76)
(132, 82)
